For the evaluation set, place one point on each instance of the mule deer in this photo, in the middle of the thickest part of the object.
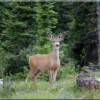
(46, 62)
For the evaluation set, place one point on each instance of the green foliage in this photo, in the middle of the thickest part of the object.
(44, 49)
(3, 63)
(84, 22)
(65, 70)
(24, 26)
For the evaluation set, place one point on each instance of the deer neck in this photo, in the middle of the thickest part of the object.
(55, 53)
(55, 56)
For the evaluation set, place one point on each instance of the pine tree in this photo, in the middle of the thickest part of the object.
(24, 23)
(18, 32)
(45, 19)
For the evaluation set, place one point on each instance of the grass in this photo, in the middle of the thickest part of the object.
(64, 88)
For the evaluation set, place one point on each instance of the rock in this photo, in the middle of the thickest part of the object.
(95, 68)
(1, 82)
(87, 81)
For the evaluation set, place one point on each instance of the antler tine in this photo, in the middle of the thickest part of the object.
(50, 36)
(64, 33)
(61, 36)
(48, 33)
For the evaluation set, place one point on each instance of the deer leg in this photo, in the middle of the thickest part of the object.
(34, 74)
(28, 76)
(50, 76)
(54, 75)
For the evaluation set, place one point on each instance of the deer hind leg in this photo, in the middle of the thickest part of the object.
(32, 74)
(28, 76)
(35, 73)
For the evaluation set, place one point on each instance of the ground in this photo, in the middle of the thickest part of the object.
(63, 89)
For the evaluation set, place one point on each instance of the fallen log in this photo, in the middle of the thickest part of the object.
(88, 81)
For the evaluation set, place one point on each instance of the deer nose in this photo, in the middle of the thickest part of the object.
(57, 45)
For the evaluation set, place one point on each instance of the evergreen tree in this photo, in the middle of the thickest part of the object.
(45, 19)
(24, 26)
(24, 23)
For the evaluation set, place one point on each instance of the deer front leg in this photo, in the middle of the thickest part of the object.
(52, 78)
(32, 75)
(54, 75)
(50, 72)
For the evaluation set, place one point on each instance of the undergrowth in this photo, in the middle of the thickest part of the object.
(64, 88)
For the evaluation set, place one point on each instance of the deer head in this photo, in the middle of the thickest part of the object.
(55, 39)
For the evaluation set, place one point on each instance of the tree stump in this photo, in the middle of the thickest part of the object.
(87, 81)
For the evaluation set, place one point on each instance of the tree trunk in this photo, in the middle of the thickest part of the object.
(98, 30)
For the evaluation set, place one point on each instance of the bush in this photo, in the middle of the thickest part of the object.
(66, 70)
(42, 49)
(3, 61)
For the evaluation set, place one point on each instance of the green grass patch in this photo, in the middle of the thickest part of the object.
(64, 88)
